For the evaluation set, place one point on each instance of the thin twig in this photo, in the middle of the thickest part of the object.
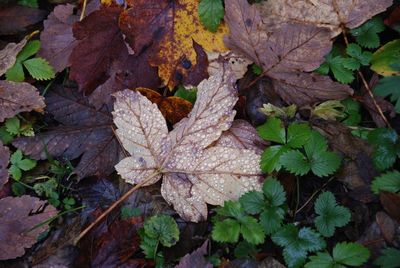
(366, 85)
(83, 10)
(113, 206)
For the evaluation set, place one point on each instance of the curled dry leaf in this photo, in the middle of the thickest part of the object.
(18, 216)
(4, 159)
(18, 97)
(171, 30)
(8, 55)
(330, 14)
(85, 132)
(284, 54)
(193, 173)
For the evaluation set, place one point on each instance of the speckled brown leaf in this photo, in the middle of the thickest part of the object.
(284, 53)
(57, 40)
(4, 159)
(193, 174)
(331, 14)
(17, 18)
(196, 259)
(18, 97)
(8, 55)
(85, 132)
(18, 216)
(242, 135)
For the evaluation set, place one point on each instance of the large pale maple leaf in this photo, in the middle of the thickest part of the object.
(194, 170)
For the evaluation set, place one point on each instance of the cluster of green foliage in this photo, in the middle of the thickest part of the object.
(13, 127)
(211, 13)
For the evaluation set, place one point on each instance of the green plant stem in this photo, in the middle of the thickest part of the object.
(24, 184)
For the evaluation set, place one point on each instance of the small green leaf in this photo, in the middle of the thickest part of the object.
(162, 228)
(316, 144)
(385, 145)
(148, 245)
(245, 250)
(187, 94)
(30, 49)
(16, 157)
(39, 69)
(330, 214)
(271, 219)
(384, 60)
(295, 162)
(211, 13)
(273, 130)
(367, 34)
(351, 254)
(13, 125)
(390, 181)
(298, 135)
(28, 3)
(252, 202)
(352, 109)
(5, 136)
(389, 86)
(274, 192)
(356, 52)
(324, 163)
(336, 63)
(257, 70)
(390, 258)
(227, 230)
(129, 212)
(15, 73)
(15, 172)
(231, 209)
(270, 158)
(251, 230)
(26, 164)
(321, 260)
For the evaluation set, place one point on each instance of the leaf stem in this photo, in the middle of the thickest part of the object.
(83, 10)
(114, 205)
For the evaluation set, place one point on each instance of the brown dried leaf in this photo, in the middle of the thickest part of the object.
(391, 202)
(8, 55)
(284, 53)
(193, 175)
(84, 132)
(237, 63)
(4, 159)
(242, 135)
(57, 40)
(196, 258)
(331, 14)
(18, 216)
(18, 97)
(16, 18)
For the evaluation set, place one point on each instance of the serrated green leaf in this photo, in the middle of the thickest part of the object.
(245, 250)
(310, 240)
(39, 69)
(13, 125)
(15, 172)
(285, 236)
(352, 109)
(367, 34)
(390, 181)
(389, 86)
(336, 63)
(351, 254)
(356, 52)
(295, 162)
(30, 49)
(16, 157)
(270, 158)
(211, 13)
(321, 260)
(325, 163)
(385, 147)
(294, 256)
(274, 192)
(257, 70)
(162, 228)
(273, 130)
(384, 60)
(147, 244)
(330, 214)
(5, 136)
(316, 144)
(28, 3)
(227, 230)
(252, 202)
(231, 209)
(298, 135)
(26, 164)
(16, 73)
(390, 258)
(351, 64)
(187, 94)
(251, 230)
(271, 219)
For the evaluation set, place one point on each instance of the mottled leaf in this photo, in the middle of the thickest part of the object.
(18, 97)
(8, 55)
(18, 216)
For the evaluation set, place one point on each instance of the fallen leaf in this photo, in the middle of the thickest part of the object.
(16, 18)
(242, 135)
(330, 14)
(8, 55)
(196, 259)
(193, 175)
(393, 21)
(284, 54)
(18, 216)
(391, 203)
(18, 97)
(57, 40)
(4, 159)
(174, 109)
(85, 132)
(387, 226)
(385, 58)
(237, 63)
(170, 30)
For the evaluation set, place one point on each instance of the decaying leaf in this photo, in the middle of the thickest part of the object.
(18, 216)
(85, 132)
(237, 63)
(171, 30)
(18, 97)
(4, 159)
(284, 54)
(17, 18)
(193, 173)
(330, 14)
(174, 109)
(8, 55)
(57, 40)
(196, 258)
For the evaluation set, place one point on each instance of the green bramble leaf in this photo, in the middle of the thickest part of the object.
(273, 130)
(271, 158)
(187, 94)
(362, 58)
(257, 70)
(227, 230)
(39, 69)
(211, 13)
(390, 258)
(13, 125)
(30, 49)
(389, 86)
(16, 73)
(386, 147)
(251, 230)
(231, 209)
(271, 219)
(252, 202)
(367, 34)
(245, 250)
(330, 214)
(298, 135)
(324, 163)
(336, 64)
(321, 260)
(295, 162)
(352, 110)
(274, 193)
(162, 228)
(350, 254)
(390, 181)
(28, 3)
